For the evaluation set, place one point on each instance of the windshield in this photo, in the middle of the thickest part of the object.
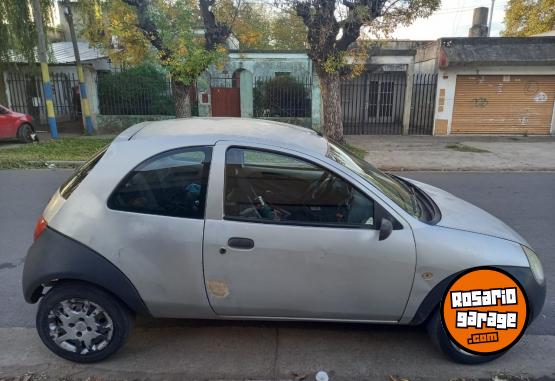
(389, 185)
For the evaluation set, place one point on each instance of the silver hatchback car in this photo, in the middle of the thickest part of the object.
(251, 219)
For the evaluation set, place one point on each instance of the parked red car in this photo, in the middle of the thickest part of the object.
(16, 125)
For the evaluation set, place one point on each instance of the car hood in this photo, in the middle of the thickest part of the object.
(459, 214)
(17, 114)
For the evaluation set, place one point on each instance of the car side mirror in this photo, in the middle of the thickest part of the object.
(386, 227)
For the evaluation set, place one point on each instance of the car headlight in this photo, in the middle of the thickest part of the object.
(535, 264)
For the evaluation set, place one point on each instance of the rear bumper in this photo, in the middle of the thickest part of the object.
(55, 257)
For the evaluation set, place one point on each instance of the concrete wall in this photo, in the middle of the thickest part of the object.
(425, 59)
(447, 81)
(266, 64)
(114, 124)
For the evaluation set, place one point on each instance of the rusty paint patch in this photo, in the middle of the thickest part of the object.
(218, 288)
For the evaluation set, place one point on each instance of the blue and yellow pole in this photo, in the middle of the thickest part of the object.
(48, 97)
(85, 105)
(44, 69)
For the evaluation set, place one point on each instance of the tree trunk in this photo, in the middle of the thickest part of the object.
(331, 105)
(182, 99)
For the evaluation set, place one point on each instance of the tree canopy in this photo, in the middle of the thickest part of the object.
(261, 26)
(18, 34)
(333, 28)
(529, 17)
(166, 32)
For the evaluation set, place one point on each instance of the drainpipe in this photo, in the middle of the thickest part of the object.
(47, 86)
(490, 17)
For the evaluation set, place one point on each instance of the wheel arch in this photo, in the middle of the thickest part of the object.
(55, 258)
(431, 301)
(535, 293)
(23, 123)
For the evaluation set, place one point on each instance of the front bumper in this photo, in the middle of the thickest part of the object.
(534, 291)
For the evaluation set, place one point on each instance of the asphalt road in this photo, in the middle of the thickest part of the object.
(522, 199)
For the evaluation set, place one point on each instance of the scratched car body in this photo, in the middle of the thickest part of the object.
(250, 219)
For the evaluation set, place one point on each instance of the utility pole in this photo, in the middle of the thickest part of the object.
(490, 17)
(47, 86)
(85, 104)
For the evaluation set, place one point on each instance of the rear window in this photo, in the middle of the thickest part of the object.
(172, 184)
(79, 175)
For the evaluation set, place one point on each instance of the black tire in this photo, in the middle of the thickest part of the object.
(25, 133)
(112, 311)
(442, 341)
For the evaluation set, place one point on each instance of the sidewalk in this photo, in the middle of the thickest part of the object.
(458, 153)
(200, 350)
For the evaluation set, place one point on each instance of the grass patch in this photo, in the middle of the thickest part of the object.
(38, 155)
(464, 148)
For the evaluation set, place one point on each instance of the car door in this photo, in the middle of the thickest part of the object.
(6, 123)
(286, 237)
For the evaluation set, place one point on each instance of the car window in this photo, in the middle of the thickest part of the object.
(265, 186)
(79, 175)
(171, 184)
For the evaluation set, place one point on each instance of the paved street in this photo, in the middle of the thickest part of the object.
(213, 350)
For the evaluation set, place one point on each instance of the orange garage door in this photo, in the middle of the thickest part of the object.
(503, 104)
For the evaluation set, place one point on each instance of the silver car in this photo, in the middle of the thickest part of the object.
(251, 219)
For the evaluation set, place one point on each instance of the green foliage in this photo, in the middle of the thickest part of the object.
(185, 55)
(288, 31)
(529, 17)
(168, 36)
(258, 27)
(18, 34)
(282, 96)
(112, 26)
(250, 23)
(141, 90)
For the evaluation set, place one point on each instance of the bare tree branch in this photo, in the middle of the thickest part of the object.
(148, 28)
(215, 33)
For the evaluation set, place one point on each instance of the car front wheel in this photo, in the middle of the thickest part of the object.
(82, 323)
(25, 133)
(442, 341)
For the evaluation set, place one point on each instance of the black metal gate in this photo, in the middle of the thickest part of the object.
(282, 96)
(26, 96)
(423, 104)
(373, 103)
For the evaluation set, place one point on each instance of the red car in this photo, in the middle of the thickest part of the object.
(16, 125)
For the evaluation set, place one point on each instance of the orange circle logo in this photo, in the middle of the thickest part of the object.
(484, 311)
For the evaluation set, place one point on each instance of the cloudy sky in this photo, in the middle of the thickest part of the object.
(453, 19)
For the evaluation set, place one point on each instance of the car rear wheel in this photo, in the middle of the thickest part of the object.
(442, 342)
(82, 323)
(25, 133)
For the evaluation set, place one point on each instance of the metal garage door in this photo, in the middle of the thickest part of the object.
(503, 104)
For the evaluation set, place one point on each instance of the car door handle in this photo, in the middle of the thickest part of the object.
(240, 243)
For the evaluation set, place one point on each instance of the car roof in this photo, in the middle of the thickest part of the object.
(213, 130)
